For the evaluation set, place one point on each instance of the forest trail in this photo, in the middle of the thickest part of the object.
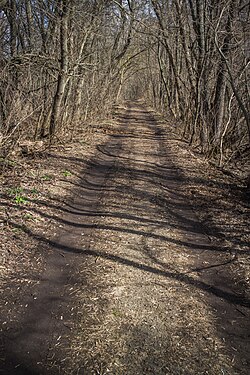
(121, 293)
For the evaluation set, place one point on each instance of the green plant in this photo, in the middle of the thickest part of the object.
(67, 173)
(34, 191)
(10, 163)
(17, 194)
(20, 199)
(15, 191)
(46, 177)
(29, 216)
(117, 313)
(16, 230)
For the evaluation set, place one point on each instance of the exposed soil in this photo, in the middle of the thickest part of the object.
(128, 254)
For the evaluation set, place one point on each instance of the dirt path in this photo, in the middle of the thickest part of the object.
(122, 292)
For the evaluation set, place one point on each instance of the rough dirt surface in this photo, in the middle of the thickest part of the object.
(135, 277)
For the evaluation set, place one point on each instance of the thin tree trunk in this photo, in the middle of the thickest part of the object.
(62, 76)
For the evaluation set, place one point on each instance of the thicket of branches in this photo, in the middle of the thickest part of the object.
(63, 62)
(58, 64)
(203, 55)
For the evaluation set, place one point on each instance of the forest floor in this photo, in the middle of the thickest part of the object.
(124, 253)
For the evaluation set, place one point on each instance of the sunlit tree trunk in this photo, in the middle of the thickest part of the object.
(62, 75)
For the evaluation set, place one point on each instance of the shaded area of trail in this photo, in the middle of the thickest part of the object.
(131, 240)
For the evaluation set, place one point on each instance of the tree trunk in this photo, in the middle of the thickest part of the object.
(62, 76)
